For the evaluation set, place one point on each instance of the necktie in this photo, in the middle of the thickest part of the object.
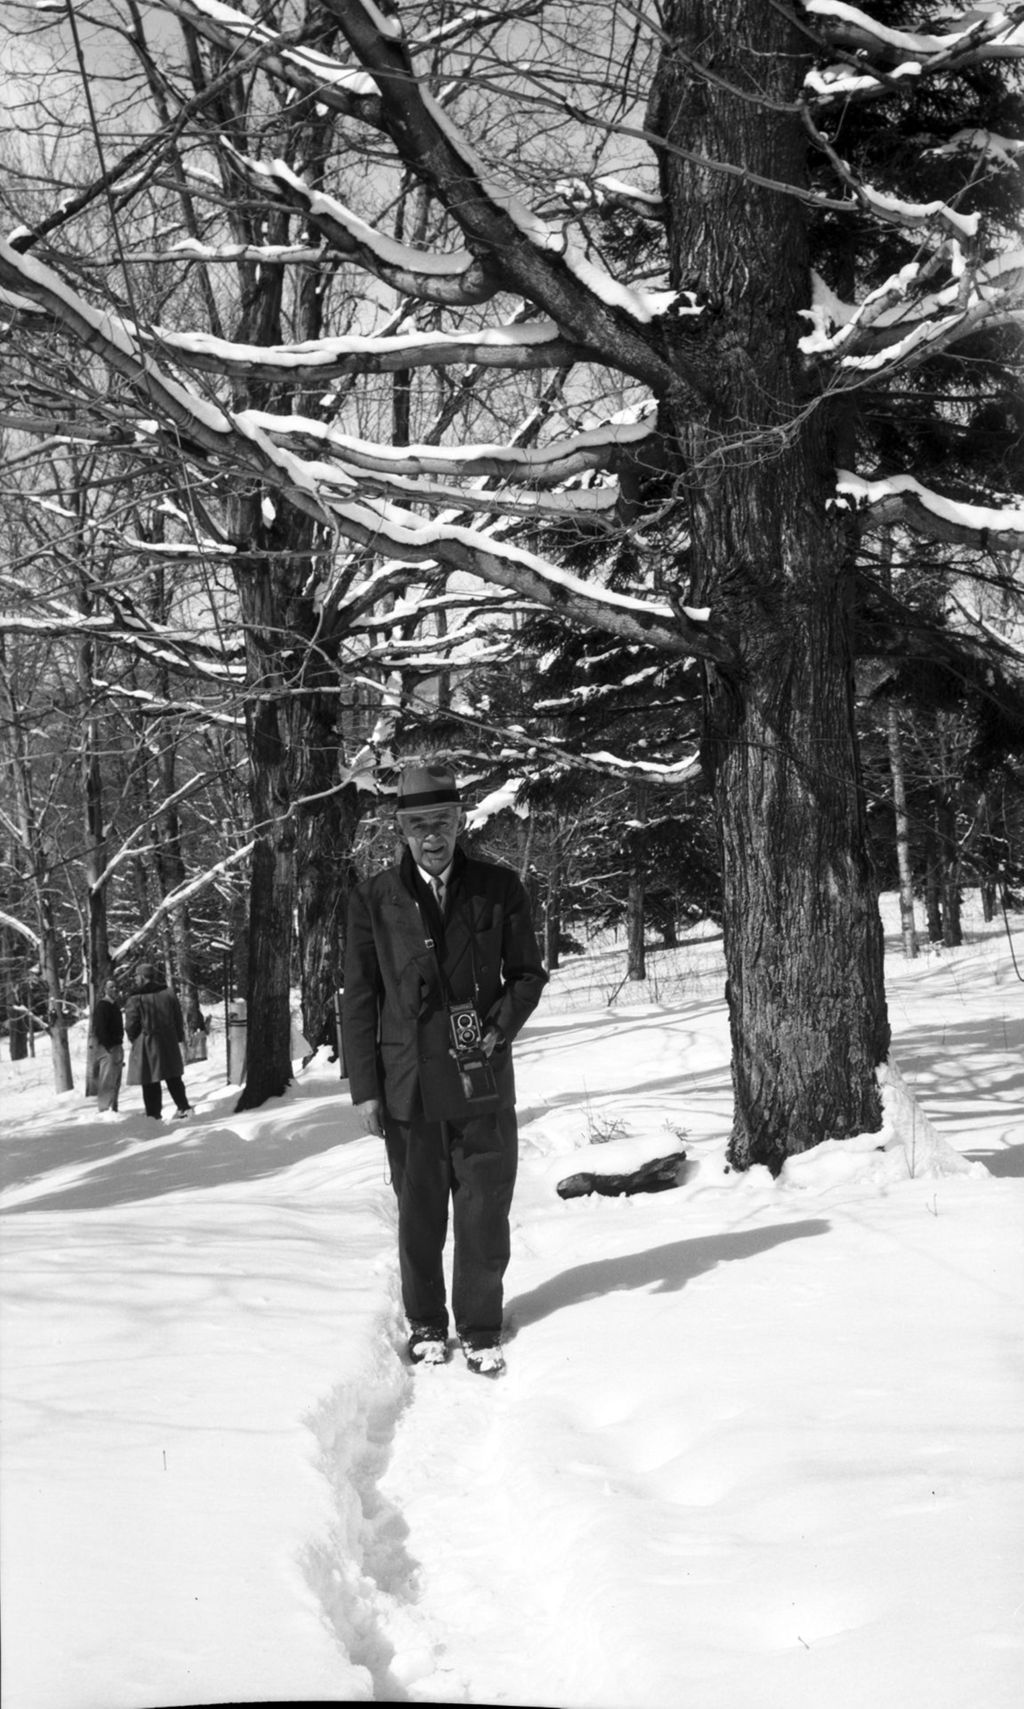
(437, 886)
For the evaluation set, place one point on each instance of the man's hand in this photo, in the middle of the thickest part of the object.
(490, 1041)
(370, 1116)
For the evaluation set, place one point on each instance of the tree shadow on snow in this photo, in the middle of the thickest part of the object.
(664, 1269)
(1008, 1163)
(971, 1071)
(203, 1153)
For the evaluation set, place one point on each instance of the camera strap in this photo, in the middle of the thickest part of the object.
(431, 943)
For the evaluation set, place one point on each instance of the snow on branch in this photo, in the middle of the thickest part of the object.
(902, 499)
(209, 435)
(607, 194)
(198, 781)
(536, 260)
(900, 323)
(592, 449)
(24, 931)
(893, 210)
(877, 58)
(521, 345)
(178, 897)
(125, 628)
(347, 89)
(1014, 649)
(459, 278)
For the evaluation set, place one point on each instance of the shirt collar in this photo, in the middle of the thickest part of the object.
(431, 878)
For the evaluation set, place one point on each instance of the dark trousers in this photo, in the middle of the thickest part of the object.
(153, 1097)
(472, 1164)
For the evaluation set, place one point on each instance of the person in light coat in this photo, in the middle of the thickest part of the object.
(108, 1043)
(155, 1025)
(412, 957)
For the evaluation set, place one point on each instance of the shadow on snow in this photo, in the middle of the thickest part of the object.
(664, 1269)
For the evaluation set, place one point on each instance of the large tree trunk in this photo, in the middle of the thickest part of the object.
(769, 554)
(272, 891)
(326, 876)
(94, 860)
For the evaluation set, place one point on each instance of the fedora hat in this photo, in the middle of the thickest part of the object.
(426, 786)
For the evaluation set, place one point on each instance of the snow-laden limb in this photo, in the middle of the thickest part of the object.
(880, 56)
(643, 306)
(125, 628)
(405, 538)
(515, 344)
(834, 322)
(13, 925)
(208, 434)
(893, 210)
(672, 772)
(505, 797)
(900, 322)
(146, 705)
(263, 254)
(983, 145)
(178, 897)
(346, 88)
(463, 278)
(457, 279)
(592, 309)
(176, 652)
(862, 31)
(902, 499)
(607, 193)
(1012, 647)
(592, 449)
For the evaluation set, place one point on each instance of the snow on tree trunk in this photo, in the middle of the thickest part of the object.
(803, 938)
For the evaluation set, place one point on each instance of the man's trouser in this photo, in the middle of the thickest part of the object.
(152, 1094)
(473, 1164)
(109, 1065)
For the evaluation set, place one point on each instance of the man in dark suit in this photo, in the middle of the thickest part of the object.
(441, 949)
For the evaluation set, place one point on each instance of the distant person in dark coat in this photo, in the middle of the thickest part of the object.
(108, 1046)
(155, 1025)
(419, 968)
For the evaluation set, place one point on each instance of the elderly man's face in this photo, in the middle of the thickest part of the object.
(431, 833)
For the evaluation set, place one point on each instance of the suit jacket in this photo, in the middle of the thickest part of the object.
(403, 967)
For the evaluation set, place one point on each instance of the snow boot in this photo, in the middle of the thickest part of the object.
(487, 1361)
(427, 1345)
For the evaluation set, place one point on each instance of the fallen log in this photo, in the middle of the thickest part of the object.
(653, 1177)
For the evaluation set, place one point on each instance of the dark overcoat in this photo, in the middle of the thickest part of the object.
(154, 1022)
(403, 966)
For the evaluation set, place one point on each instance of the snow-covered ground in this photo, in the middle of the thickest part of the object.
(759, 1443)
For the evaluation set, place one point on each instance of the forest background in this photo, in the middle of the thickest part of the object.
(621, 399)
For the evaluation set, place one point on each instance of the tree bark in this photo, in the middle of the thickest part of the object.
(272, 892)
(770, 556)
